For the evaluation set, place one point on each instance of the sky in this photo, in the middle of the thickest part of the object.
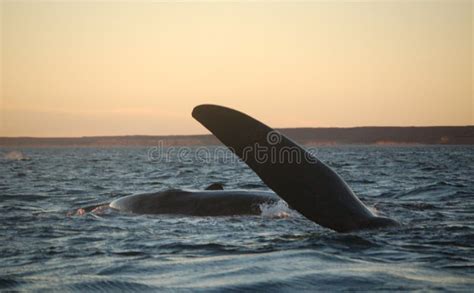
(77, 68)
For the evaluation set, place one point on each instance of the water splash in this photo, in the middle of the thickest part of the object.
(15, 156)
(373, 209)
(279, 209)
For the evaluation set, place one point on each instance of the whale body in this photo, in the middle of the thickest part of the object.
(308, 185)
(196, 202)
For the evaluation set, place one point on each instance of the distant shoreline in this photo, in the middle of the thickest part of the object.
(431, 135)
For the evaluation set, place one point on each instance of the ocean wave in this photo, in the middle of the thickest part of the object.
(430, 191)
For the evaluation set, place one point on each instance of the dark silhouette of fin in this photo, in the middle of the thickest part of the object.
(304, 182)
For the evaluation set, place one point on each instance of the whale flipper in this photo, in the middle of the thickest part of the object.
(304, 182)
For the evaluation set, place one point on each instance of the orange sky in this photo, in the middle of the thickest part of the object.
(113, 68)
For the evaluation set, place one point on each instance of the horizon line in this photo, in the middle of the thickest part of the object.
(204, 134)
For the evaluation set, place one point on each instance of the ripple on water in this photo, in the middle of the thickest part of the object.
(428, 189)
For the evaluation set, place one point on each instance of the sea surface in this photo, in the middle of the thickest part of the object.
(429, 189)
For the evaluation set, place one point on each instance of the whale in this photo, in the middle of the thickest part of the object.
(196, 202)
(213, 201)
(308, 185)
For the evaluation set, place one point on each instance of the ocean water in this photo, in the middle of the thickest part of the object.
(429, 189)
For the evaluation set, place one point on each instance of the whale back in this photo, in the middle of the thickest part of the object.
(196, 202)
(304, 182)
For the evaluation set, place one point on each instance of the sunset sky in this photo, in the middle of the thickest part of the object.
(115, 68)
